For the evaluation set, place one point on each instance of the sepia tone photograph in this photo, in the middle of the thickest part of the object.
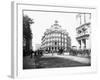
(56, 39)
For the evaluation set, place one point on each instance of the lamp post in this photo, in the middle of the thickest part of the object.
(61, 50)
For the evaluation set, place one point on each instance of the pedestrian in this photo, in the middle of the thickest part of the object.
(31, 53)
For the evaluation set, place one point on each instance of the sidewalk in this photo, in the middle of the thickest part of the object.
(73, 58)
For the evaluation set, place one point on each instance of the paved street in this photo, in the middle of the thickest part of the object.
(73, 58)
(55, 61)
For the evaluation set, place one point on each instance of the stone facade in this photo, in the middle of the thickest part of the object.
(84, 31)
(56, 38)
(83, 36)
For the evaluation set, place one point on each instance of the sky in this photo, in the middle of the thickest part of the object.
(44, 20)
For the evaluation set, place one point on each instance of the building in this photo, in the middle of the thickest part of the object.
(74, 47)
(55, 38)
(37, 46)
(83, 34)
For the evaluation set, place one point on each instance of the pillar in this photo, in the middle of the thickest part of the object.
(84, 42)
(79, 41)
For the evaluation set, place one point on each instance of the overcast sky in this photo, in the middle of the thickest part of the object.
(44, 20)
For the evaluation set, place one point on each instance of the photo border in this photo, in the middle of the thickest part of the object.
(17, 69)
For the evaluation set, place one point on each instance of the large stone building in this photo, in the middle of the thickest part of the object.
(83, 33)
(55, 38)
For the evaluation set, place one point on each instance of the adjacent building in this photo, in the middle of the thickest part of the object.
(55, 38)
(83, 34)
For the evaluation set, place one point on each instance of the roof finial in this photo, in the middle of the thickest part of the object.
(56, 21)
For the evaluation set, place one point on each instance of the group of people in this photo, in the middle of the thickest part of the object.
(37, 53)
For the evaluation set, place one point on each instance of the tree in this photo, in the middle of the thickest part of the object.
(27, 35)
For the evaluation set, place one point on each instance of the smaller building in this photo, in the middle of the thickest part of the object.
(37, 46)
(74, 47)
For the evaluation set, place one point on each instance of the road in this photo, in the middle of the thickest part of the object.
(73, 58)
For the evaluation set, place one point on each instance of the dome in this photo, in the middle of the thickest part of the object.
(55, 28)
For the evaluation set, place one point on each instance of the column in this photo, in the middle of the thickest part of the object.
(84, 42)
(79, 41)
(88, 43)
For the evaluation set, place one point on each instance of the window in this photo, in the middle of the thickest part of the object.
(55, 43)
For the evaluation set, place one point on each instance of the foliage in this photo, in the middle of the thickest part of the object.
(27, 35)
(75, 52)
(26, 27)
